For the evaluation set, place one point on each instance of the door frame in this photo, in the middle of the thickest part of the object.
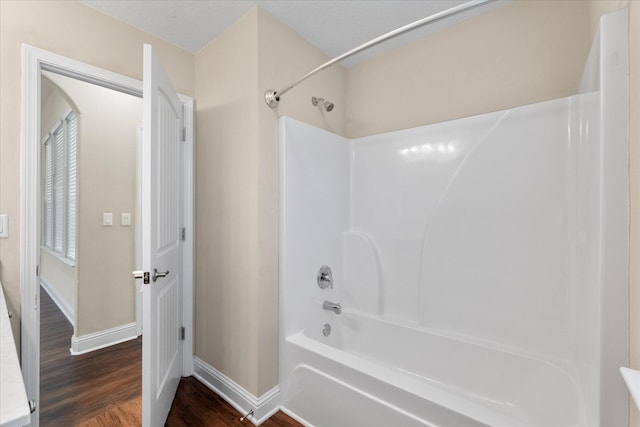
(33, 61)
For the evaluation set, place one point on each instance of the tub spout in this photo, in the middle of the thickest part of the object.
(332, 306)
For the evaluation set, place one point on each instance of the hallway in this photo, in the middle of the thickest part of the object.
(103, 387)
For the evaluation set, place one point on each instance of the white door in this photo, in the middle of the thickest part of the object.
(162, 222)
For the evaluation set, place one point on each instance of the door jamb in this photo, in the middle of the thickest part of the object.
(33, 61)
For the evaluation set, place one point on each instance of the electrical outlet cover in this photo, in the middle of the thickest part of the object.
(107, 218)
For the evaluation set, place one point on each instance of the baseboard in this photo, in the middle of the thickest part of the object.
(263, 407)
(62, 304)
(102, 339)
(295, 417)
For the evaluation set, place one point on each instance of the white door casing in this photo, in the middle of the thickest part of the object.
(161, 241)
(33, 60)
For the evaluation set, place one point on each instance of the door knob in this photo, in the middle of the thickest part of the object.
(158, 274)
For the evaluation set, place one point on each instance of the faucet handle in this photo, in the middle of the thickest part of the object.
(325, 277)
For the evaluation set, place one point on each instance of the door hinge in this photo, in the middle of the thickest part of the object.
(37, 270)
(182, 333)
(183, 133)
(32, 406)
(183, 234)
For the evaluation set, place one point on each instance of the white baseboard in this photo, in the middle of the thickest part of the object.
(64, 306)
(296, 417)
(102, 339)
(263, 407)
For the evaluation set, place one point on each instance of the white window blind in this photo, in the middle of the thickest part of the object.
(59, 187)
(72, 141)
(48, 193)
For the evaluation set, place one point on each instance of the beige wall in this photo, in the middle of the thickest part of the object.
(99, 287)
(520, 53)
(74, 30)
(108, 124)
(237, 188)
(284, 56)
(226, 203)
(634, 155)
(53, 105)
(60, 277)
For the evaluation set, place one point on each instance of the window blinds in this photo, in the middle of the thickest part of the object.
(60, 187)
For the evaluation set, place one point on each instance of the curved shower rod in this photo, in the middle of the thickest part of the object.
(272, 97)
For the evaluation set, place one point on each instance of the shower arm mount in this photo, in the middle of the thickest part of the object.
(272, 97)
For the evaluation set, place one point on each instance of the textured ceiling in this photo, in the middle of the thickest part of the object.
(334, 26)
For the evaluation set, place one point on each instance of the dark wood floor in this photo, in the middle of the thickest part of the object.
(76, 388)
(103, 388)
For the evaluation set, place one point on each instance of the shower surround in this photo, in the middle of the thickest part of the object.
(480, 264)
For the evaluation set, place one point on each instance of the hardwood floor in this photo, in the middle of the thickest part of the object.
(103, 388)
(74, 389)
(196, 405)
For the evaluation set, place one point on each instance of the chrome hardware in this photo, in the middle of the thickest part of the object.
(326, 330)
(272, 98)
(158, 274)
(246, 417)
(325, 277)
(332, 306)
(142, 275)
(327, 105)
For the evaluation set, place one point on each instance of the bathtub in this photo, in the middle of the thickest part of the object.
(480, 263)
(371, 372)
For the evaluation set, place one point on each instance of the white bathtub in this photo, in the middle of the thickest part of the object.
(481, 265)
(370, 372)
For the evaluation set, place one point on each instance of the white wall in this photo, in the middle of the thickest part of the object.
(314, 206)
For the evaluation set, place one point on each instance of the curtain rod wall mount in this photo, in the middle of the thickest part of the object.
(271, 97)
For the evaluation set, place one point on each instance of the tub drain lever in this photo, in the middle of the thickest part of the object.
(247, 415)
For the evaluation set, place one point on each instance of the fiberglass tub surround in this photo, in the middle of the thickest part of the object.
(469, 260)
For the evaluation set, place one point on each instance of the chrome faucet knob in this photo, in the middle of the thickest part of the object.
(325, 277)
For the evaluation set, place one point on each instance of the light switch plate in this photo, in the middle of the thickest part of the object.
(125, 219)
(107, 219)
(4, 225)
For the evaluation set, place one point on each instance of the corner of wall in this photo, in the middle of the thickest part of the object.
(226, 252)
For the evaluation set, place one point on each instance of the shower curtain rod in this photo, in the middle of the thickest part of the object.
(272, 97)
